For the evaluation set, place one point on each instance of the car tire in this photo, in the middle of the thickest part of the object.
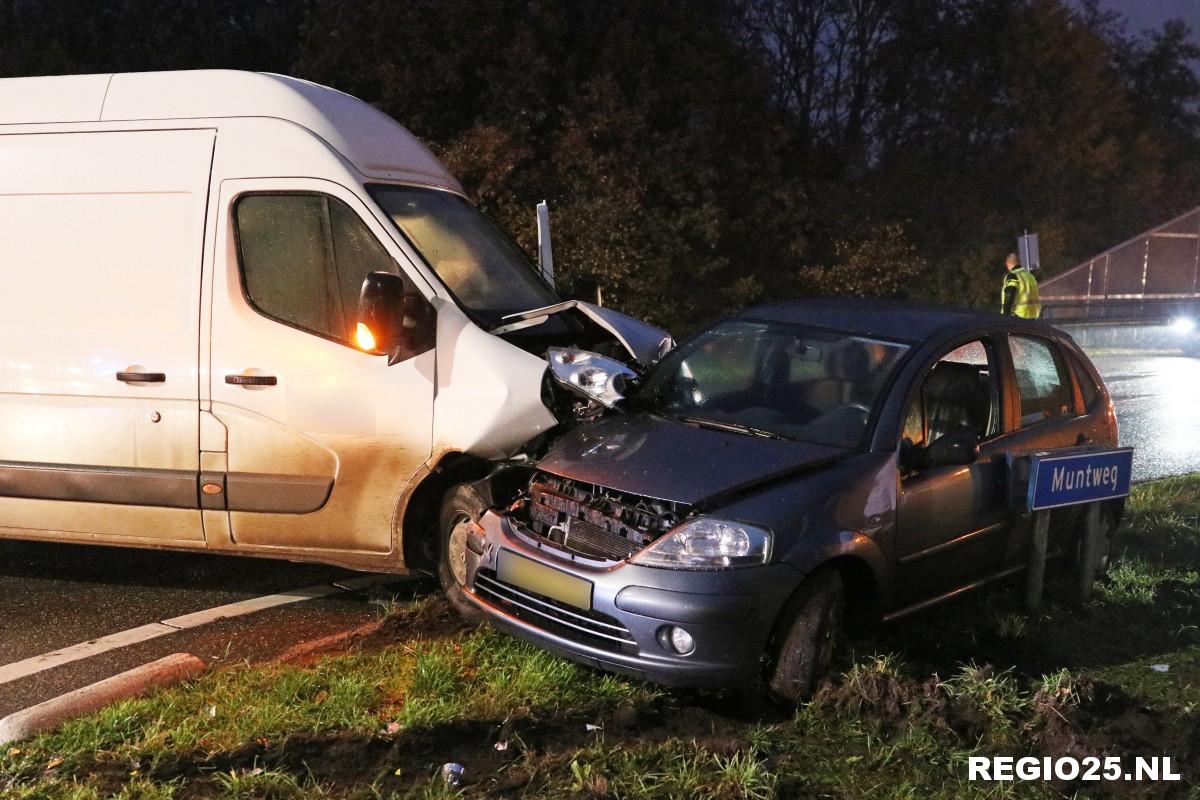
(461, 506)
(808, 637)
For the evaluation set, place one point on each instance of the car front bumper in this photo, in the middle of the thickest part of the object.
(729, 613)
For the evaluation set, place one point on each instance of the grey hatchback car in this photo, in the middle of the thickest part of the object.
(780, 472)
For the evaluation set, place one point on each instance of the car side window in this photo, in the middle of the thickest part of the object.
(303, 260)
(1088, 389)
(959, 393)
(1042, 380)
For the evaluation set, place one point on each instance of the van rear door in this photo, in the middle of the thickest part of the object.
(101, 238)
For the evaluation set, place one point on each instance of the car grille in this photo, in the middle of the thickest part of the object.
(586, 627)
(587, 539)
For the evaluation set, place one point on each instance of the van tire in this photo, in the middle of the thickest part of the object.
(461, 505)
(807, 638)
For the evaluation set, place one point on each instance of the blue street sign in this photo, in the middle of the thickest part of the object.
(1070, 477)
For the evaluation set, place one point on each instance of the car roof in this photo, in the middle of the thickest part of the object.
(895, 320)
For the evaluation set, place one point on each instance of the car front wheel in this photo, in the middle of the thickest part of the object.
(808, 636)
(461, 507)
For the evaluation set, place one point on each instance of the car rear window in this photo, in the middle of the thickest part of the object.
(1042, 380)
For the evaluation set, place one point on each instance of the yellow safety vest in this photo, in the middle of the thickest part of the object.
(1026, 304)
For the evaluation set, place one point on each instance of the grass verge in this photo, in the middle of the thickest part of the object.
(909, 706)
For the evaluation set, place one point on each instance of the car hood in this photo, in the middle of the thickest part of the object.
(644, 342)
(668, 460)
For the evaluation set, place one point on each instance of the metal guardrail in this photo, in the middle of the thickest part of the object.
(1143, 309)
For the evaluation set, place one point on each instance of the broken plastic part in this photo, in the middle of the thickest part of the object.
(590, 375)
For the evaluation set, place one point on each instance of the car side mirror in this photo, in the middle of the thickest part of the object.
(954, 448)
(381, 305)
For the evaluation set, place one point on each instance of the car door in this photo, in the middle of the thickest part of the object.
(952, 521)
(322, 437)
(1051, 414)
(101, 242)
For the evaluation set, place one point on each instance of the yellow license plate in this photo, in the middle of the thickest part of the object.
(546, 581)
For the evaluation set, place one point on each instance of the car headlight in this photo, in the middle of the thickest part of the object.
(1183, 324)
(707, 543)
(592, 375)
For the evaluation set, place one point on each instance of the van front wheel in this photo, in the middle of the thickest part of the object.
(461, 506)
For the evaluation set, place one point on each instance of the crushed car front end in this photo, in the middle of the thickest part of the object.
(559, 567)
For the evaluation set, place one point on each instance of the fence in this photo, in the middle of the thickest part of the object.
(1152, 277)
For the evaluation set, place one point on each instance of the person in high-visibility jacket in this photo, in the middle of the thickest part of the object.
(1019, 295)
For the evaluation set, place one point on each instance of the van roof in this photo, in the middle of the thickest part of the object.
(377, 145)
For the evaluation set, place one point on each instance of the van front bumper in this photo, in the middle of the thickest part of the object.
(728, 613)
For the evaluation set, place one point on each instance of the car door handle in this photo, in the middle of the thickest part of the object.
(252, 380)
(142, 377)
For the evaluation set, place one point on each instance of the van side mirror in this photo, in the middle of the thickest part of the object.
(954, 448)
(381, 306)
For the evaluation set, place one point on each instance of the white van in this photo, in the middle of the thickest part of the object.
(183, 363)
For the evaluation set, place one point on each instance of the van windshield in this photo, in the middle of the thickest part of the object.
(482, 268)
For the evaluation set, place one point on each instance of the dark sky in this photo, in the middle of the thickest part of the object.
(1143, 14)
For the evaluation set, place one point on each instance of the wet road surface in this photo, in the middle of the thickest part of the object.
(1158, 407)
(53, 596)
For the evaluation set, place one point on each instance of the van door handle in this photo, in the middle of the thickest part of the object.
(252, 380)
(142, 377)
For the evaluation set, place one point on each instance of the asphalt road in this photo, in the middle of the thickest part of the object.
(54, 596)
(1158, 407)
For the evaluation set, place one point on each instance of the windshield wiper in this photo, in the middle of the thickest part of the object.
(733, 427)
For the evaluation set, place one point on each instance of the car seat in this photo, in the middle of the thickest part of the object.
(955, 400)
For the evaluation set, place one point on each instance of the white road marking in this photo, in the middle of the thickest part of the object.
(243, 607)
(142, 633)
(35, 664)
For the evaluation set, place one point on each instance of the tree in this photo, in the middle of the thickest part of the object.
(702, 155)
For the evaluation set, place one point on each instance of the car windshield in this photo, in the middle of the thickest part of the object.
(773, 379)
(482, 268)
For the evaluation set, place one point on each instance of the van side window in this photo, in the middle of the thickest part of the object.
(1042, 380)
(304, 258)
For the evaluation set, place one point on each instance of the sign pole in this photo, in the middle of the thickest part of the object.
(1036, 575)
(1093, 530)
(1072, 476)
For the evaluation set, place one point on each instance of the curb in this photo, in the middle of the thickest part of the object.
(165, 671)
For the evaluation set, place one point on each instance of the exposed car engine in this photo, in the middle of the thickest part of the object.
(592, 521)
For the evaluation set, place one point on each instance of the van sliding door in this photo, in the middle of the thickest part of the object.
(101, 238)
